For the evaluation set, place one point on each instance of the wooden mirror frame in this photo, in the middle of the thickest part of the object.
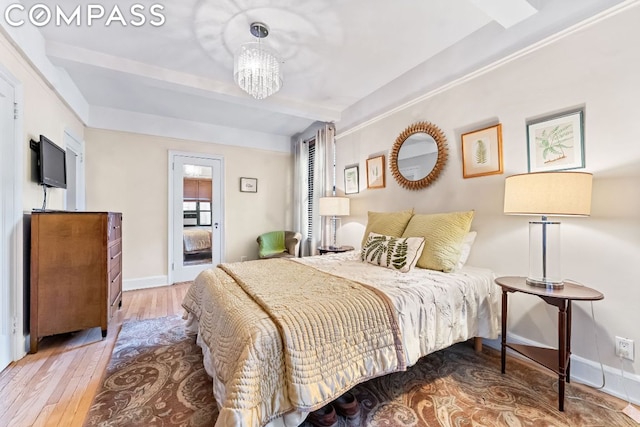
(441, 141)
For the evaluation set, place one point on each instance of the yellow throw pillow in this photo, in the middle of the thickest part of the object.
(387, 223)
(443, 235)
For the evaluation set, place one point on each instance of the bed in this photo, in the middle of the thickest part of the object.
(283, 337)
(196, 241)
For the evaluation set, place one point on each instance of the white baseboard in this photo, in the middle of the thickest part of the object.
(144, 283)
(588, 372)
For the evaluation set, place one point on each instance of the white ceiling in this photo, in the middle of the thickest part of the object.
(344, 60)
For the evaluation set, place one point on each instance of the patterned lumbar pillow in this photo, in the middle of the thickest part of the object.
(395, 253)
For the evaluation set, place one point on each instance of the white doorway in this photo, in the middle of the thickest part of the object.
(196, 206)
(75, 194)
(10, 225)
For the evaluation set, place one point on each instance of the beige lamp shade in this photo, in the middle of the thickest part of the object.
(334, 206)
(548, 194)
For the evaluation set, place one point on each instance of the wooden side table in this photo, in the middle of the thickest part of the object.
(557, 360)
(328, 249)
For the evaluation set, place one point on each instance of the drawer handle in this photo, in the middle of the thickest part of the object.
(115, 278)
(116, 255)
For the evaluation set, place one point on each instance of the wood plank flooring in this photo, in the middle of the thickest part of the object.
(56, 386)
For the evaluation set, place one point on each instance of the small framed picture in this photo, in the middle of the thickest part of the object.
(482, 152)
(249, 185)
(556, 142)
(351, 180)
(375, 172)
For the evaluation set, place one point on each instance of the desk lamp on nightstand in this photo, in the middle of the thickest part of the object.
(547, 194)
(334, 207)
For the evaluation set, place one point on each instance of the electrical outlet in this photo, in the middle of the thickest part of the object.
(624, 348)
(243, 258)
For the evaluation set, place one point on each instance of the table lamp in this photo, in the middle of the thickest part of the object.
(547, 194)
(334, 207)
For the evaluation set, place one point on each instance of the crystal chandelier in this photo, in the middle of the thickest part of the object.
(257, 69)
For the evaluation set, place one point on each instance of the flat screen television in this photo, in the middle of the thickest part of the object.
(52, 164)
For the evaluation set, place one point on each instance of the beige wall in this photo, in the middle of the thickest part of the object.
(128, 172)
(597, 68)
(42, 113)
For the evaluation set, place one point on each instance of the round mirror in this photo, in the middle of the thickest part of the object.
(418, 155)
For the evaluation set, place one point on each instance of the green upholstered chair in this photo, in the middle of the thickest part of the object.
(277, 244)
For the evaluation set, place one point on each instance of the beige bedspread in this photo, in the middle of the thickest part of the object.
(335, 334)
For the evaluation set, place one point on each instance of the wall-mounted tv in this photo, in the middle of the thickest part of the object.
(52, 164)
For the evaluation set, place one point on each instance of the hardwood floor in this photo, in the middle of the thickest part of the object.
(56, 386)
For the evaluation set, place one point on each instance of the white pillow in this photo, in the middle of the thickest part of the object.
(465, 248)
(395, 253)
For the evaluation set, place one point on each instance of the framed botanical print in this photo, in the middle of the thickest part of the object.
(351, 180)
(375, 172)
(482, 152)
(556, 142)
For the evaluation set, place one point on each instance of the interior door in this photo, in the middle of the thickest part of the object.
(75, 193)
(6, 137)
(196, 233)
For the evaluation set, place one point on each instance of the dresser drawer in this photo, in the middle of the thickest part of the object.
(115, 268)
(115, 295)
(115, 251)
(115, 226)
(115, 284)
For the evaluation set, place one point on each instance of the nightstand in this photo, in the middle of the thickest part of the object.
(328, 249)
(557, 360)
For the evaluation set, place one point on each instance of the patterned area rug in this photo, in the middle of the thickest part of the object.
(155, 377)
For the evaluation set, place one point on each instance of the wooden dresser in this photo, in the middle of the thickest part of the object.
(76, 271)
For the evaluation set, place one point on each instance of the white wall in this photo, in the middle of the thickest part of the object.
(127, 172)
(597, 67)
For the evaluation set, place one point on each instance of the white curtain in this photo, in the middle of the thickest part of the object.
(321, 155)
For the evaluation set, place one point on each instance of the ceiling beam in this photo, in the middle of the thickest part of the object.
(187, 83)
(506, 12)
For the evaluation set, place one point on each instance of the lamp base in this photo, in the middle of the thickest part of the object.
(545, 284)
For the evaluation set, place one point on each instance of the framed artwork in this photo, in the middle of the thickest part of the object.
(482, 152)
(351, 180)
(556, 142)
(375, 172)
(249, 185)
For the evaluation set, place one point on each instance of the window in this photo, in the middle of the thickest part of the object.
(204, 213)
(197, 213)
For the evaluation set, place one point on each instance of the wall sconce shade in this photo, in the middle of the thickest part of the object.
(547, 194)
(334, 207)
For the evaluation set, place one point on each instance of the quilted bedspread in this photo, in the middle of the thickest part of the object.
(285, 338)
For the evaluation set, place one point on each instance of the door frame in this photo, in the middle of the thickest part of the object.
(13, 224)
(76, 144)
(170, 177)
